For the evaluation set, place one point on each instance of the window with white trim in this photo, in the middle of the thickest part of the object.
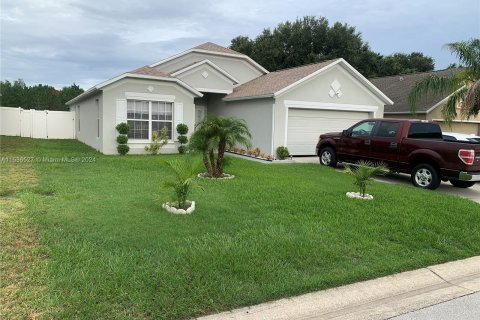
(145, 117)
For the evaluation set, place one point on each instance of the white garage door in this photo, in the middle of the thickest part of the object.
(305, 125)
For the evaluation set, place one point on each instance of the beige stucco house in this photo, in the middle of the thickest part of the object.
(398, 88)
(284, 108)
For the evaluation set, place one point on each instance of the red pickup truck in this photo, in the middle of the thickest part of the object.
(415, 147)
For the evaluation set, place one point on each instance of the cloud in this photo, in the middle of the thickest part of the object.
(59, 42)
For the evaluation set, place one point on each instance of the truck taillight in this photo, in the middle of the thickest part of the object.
(467, 156)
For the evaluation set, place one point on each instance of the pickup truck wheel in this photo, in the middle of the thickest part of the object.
(328, 157)
(425, 176)
(461, 184)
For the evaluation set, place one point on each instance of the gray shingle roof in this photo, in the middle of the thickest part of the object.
(397, 88)
(146, 70)
(275, 81)
(210, 46)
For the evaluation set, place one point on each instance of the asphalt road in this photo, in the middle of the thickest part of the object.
(463, 308)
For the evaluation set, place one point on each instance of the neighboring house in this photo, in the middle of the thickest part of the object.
(398, 88)
(289, 107)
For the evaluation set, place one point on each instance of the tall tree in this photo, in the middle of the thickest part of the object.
(463, 86)
(311, 40)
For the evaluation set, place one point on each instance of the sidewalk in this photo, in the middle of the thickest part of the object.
(380, 298)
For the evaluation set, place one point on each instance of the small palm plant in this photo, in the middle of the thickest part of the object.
(363, 171)
(184, 171)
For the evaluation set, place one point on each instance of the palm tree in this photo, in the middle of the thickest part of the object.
(214, 135)
(463, 86)
(182, 182)
(362, 172)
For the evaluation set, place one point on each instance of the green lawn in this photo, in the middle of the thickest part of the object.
(103, 247)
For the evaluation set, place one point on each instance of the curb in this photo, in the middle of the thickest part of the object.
(380, 298)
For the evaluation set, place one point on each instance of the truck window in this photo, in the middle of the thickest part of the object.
(387, 129)
(363, 129)
(425, 130)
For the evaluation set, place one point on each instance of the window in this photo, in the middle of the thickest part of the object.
(363, 129)
(162, 117)
(387, 129)
(144, 117)
(425, 130)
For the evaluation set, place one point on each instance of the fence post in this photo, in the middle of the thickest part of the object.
(20, 121)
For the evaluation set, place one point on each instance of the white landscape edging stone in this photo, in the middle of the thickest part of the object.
(358, 195)
(170, 208)
(225, 176)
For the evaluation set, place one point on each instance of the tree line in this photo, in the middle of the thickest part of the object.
(312, 40)
(40, 97)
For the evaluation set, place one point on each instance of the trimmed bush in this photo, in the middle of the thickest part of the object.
(182, 129)
(123, 149)
(282, 153)
(122, 139)
(182, 149)
(122, 128)
(182, 139)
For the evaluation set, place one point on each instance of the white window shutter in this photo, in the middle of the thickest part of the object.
(121, 110)
(177, 117)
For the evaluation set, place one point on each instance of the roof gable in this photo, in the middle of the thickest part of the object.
(206, 62)
(279, 82)
(213, 49)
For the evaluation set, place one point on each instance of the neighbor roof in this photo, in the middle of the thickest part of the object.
(277, 82)
(398, 88)
(146, 70)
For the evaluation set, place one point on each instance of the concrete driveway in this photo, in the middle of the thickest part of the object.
(472, 193)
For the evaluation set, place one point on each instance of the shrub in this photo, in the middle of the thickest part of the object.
(256, 152)
(123, 149)
(182, 128)
(122, 139)
(282, 153)
(182, 139)
(122, 128)
(182, 149)
(250, 152)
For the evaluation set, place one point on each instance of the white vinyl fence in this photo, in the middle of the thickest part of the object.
(42, 124)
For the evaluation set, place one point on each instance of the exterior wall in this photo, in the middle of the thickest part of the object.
(258, 113)
(461, 127)
(469, 126)
(422, 116)
(317, 89)
(118, 91)
(86, 114)
(215, 81)
(239, 68)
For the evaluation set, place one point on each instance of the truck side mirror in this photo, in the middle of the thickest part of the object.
(345, 133)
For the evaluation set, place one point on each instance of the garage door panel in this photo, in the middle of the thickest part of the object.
(304, 127)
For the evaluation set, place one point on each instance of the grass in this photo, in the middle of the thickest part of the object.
(104, 248)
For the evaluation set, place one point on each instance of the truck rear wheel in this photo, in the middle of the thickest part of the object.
(461, 184)
(425, 176)
(328, 157)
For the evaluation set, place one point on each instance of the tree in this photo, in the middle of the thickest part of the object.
(312, 40)
(213, 135)
(463, 87)
(38, 96)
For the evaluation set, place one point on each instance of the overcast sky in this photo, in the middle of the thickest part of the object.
(59, 42)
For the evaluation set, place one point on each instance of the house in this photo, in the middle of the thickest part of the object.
(284, 108)
(429, 108)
